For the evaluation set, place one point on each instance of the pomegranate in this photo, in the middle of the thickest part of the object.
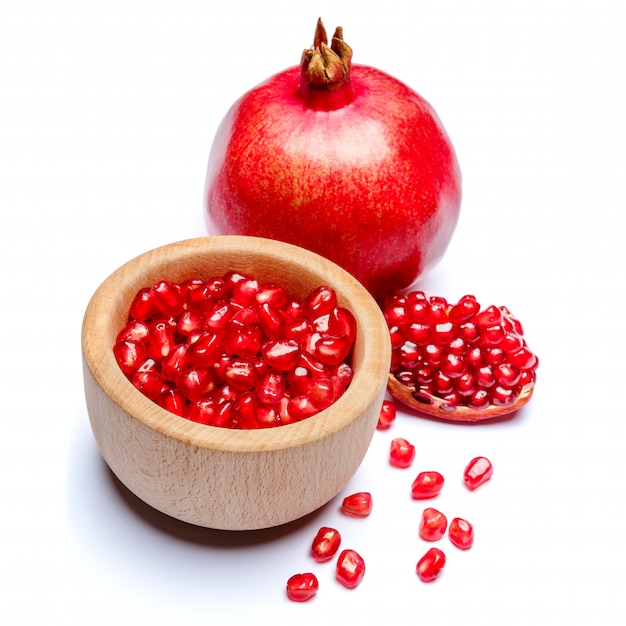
(457, 362)
(342, 159)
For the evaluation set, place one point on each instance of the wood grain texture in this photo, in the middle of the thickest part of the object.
(222, 478)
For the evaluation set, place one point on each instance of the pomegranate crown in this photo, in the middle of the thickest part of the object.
(325, 66)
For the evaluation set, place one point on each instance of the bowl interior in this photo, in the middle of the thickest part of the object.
(295, 269)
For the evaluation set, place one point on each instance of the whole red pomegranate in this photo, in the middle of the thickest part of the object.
(341, 159)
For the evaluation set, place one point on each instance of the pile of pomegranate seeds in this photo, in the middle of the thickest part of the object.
(231, 352)
(447, 357)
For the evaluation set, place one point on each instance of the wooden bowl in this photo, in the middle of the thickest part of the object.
(218, 477)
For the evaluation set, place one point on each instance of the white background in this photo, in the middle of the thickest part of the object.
(107, 113)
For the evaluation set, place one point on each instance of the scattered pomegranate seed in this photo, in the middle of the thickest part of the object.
(401, 453)
(387, 415)
(478, 471)
(457, 362)
(230, 352)
(430, 565)
(350, 568)
(461, 533)
(426, 485)
(358, 504)
(302, 587)
(325, 544)
(433, 524)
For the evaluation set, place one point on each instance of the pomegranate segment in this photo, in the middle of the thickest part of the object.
(455, 361)
(302, 587)
(231, 352)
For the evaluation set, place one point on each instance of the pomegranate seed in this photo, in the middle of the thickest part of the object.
(281, 354)
(430, 565)
(325, 544)
(427, 485)
(401, 453)
(205, 350)
(301, 407)
(174, 364)
(433, 524)
(143, 306)
(461, 533)
(387, 415)
(129, 354)
(168, 298)
(333, 349)
(350, 568)
(302, 587)
(319, 302)
(148, 379)
(196, 382)
(173, 401)
(478, 471)
(358, 504)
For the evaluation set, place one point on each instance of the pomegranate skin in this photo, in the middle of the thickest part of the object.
(363, 174)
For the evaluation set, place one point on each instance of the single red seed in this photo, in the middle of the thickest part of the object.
(320, 301)
(357, 504)
(281, 354)
(143, 306)
(387, 415)
(129, 355)
(433, 524)
(478, 471)
(168, 298)
(401, 453)
(350, 568)
(325, 544)
(302, 587)
(333, 349)
(430, 565)
(461, 533)
(427, 485)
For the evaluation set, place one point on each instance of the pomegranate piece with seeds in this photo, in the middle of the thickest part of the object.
(478, 471)
(430, 565)
(350, 568)
(357, 505)
(455, 361)
(302, 587)
(231, 352)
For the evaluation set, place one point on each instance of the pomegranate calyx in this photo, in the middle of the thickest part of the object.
(433, 406)
(324, 66)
